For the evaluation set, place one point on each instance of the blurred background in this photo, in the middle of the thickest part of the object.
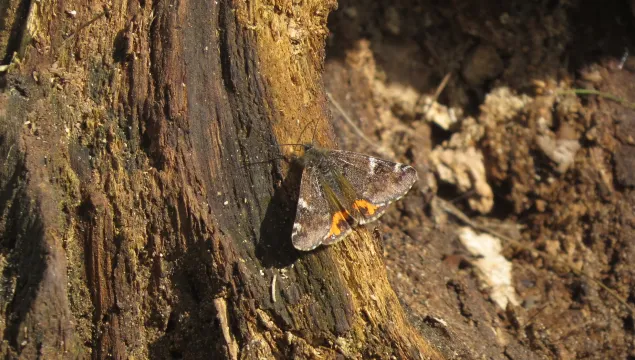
(519, 117)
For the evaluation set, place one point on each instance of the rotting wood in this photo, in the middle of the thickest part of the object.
(131, 225)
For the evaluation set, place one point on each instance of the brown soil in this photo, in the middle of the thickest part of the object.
(559, 165)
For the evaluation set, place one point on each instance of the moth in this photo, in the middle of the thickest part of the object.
(340, 190)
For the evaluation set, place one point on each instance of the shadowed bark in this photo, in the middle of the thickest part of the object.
(142, 215)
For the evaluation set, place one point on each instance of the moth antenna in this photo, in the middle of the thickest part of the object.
(303, 130)
(314, 132)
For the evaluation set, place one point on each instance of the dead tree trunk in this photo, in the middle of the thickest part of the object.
(141, 214)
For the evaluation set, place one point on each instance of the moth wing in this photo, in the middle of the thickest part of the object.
(376, 183)
(341, 218)
(360, 210)
(312, 216)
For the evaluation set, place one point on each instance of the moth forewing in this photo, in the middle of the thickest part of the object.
(348, 197)
(340, 217)
(331, 198)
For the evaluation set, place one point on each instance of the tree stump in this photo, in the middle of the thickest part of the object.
(142, 214)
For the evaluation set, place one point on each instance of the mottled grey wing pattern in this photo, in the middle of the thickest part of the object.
(312, 218)
(378, 181)
(340, 189)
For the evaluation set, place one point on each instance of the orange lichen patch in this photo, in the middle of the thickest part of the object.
(368, 207)
(337, 218)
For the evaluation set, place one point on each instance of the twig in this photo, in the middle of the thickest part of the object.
(5, 68)
(437, 93)
(339, 108)
(605, 95)
(9, 152)
(83, 26)
(441, 86)
(273, 287)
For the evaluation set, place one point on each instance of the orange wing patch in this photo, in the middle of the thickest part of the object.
(335, 223)
(365, 207)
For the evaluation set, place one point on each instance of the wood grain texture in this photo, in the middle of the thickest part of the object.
(142, 216)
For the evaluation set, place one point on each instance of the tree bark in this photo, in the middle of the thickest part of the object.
(142, 214)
